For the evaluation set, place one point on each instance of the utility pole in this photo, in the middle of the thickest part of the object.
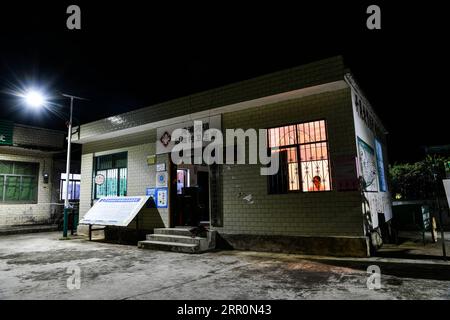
(69, 141)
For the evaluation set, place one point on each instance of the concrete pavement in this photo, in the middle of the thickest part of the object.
(36, 266)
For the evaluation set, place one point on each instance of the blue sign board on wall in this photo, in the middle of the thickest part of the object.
(162, 197)
(152, 193)
(380, 166)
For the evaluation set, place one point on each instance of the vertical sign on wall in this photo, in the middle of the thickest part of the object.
(161, 198)
(151, 192)
(6, 132)
(380, 166)
(368, 166)
(161, 179)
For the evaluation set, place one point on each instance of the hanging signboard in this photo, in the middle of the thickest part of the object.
(114, 211)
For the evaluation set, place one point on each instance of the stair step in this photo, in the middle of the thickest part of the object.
(174, 238)
(169, 246)
(173, 231)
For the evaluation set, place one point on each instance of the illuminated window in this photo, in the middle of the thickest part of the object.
(304, 159)
(74, 186)
(113, 167)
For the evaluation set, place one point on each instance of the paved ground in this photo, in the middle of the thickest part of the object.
(34, 266)
(411, 245)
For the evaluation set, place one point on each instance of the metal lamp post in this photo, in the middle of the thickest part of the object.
(69, 141)
(36, 99)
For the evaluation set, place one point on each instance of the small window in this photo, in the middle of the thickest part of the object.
(114, 169)
(304, 158)
(74, 186)
(18, 182)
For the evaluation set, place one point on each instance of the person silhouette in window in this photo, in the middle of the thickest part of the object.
(317, 184)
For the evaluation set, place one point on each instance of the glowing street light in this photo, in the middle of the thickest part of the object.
(34, 98)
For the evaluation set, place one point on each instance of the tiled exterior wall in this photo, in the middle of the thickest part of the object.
(38, 137)
(37, 213)
(28, 143)
(140, 175)
(330, 213)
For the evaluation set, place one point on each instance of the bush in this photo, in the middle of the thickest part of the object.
(417, 181)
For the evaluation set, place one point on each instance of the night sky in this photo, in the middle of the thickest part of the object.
(130, 55)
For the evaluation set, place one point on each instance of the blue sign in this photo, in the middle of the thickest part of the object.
(380, 166)
(151, 192)
(162, 197)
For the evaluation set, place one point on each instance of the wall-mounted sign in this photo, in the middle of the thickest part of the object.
(160, 167)
(164, 135)
(366, 114)
(151, 192)
(368, 165)
(380, 166)
(151, 159)
(165, 139)
(161, 179)
(99, 179)
(6, 132)
(161, 198)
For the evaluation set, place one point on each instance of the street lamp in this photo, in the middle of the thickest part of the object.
(69, 141)
(37, 99)
(34, 98)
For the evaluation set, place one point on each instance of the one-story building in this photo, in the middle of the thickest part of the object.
(32, 168)
(330, 195)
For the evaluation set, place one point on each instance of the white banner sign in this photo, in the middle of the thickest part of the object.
(114, 211)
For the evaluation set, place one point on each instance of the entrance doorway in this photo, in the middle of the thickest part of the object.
(190, 195)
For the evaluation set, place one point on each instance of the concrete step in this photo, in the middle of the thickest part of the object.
(174, 238)
(173, 231)
(169, 246)
(8, 230)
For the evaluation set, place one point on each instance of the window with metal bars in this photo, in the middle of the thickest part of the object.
(304, 158)
(113, 167)
(18, 182)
